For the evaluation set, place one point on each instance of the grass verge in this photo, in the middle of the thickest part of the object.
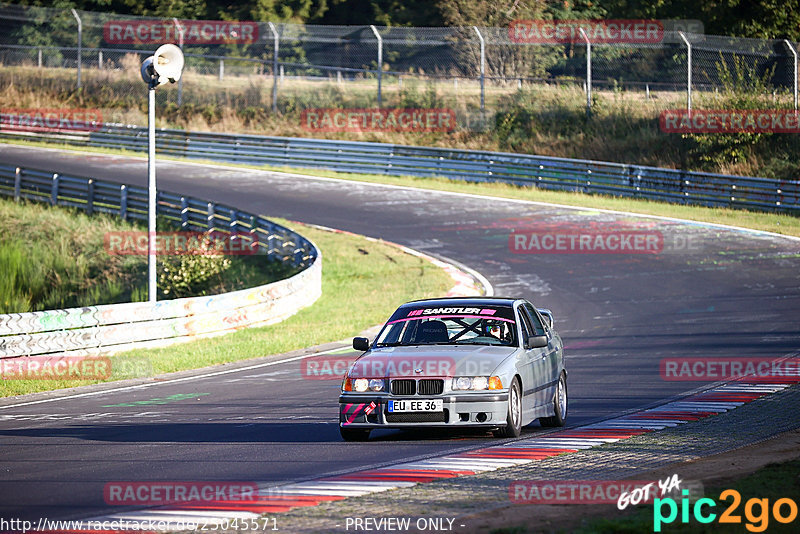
(771, 483)
(363, 281)
(55, 257)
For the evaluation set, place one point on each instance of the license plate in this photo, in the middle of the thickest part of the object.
(422, 405)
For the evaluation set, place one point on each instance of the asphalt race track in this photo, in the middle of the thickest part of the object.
(707, 291)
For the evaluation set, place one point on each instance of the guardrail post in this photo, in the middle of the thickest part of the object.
(90, 197)
(184, 213)
(588, 73)
(275, 45)
(232, 226)
(123, 202)
(588, 188)
(688, 72)
(17, 184)
(483, 66)
(254, 241)
(210, 217)
(54, 190)
(80, 44)
(380, 60)
(794, 53)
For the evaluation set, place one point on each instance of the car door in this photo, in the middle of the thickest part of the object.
(548, 367)
(535, 363)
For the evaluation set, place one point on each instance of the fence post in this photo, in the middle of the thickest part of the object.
(40, 58)
(794, 53)
(221, 69)
(179, 29)
(99, 60)
(588, 72)
(17, 184)
(274, 67)
(380, 60)
(483, 66)
(688, 72)
(80, 41)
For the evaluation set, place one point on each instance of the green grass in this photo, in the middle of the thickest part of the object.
(362, 283)
(54, 257)
(773, 482)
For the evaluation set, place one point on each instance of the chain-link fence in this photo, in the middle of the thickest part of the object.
(262, 68)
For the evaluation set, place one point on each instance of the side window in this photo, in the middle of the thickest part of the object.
(538, 325)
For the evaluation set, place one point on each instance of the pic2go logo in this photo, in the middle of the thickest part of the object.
(757, 512)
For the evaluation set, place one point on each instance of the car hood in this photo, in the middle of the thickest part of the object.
(430, 360)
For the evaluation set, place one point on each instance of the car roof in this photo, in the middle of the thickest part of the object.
(463, 301)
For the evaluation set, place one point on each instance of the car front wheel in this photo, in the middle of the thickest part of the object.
(514, 416)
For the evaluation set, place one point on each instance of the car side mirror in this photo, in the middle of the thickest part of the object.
(535, 342)
(361, 343)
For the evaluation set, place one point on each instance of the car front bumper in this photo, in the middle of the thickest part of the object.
(460, 410)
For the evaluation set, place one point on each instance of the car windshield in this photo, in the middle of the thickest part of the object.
(431, 325)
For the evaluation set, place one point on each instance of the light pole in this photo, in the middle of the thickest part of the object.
(166, 65)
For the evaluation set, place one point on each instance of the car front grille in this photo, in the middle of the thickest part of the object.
(430, 386)
(404, 387)
(410, 386)
(417, 417)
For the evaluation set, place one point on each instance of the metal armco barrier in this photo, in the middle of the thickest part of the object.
(637, 181)
(115, 327)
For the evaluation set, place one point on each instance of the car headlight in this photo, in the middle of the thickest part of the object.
(462, 382)
(480, 382)
(361, 385)
(477, 383)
